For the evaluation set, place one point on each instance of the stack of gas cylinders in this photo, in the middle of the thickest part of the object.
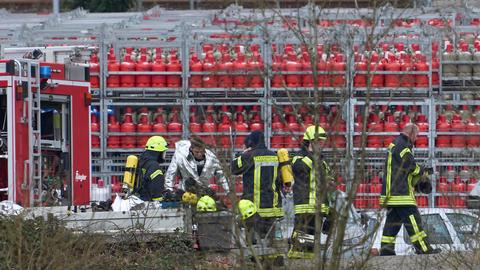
(453, 185)
(225, 125)
(161, 121)
(223, 66)
(454, 119)
(466, 51)
(298, 64)
(143, 60)
(389, 120)
(288, 125)
(368, 190)
(407, 66)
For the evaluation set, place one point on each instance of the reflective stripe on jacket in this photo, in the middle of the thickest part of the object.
(400, 168)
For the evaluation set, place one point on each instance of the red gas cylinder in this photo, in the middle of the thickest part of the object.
(94, 68)
(159, 126)
(128, 141)
(376, 188)
(393, 65)
(322, 70)
(240, 127)
(226, 65)
(442, 202)
(143, 126)
(159, 66)
(374, 125)
(422, 201)
(225, 127)
(194, 126)
(473, 126)
(196, 65)
(94, 127)
(278, 80)
(277, 141)
(376, 80)
(113, 126)
(389, 126)
(116, 186)
(360, 80)
(175, 127)
(256, 123)
(407, 80)
(291, 141)
(239, 66)
(458, 185)
(113, 81)
(307, 120)
(292, 65)
(361, 201)
(442, 185)
(422, 123)
(404, 121)
(458, 126)
(338, 80)
(443, 126)
(357, 126)
(174, 81)
(421, 80)
(209, 126)
(255, 66)
(307, 79)
(341, 184)
(143, 65)
(127, 65)
(210, 67)
(435, 67)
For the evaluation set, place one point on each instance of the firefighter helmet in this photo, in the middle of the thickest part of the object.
(247, 208)
(312, 130)
(189, 198)
(206, 204)
(156, 143)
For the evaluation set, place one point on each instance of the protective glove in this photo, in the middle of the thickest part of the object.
(167, 195)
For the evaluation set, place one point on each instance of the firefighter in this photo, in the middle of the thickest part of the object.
(261, 184)
(196, 165)
(151, 177)
(398, 185)
(305, 192)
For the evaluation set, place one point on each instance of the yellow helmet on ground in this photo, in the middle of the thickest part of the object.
(247, 208)
(156, 143)
(190, 198)
(312, 130)
(206, 204)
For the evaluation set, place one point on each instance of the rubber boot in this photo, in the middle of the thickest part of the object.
(387, 250)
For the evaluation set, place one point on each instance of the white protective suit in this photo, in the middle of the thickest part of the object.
(184, 163)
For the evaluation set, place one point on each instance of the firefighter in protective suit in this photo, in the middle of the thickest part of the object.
(151, 177)
(261, 184)
(305, 192)
(196, 165)
(401, 178)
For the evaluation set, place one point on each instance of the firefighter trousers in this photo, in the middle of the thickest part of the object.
(410, 217)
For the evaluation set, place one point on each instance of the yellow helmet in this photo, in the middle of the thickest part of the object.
(190, 198)
(206, 204)
(156, 143)
(247, 208)
(312, 130)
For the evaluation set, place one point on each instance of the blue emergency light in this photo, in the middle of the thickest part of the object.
(45, 72)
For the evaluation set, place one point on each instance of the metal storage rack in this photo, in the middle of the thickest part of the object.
(192, 29)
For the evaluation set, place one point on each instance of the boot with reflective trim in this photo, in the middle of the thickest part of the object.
(387, 250)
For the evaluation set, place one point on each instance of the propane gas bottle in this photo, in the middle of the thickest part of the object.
(277, 141)
(113, 81)
(113, 126)
(443, 126)
(292, 65)
(175, 127)
(127, 65)
(159, 66)
(307, 79)
(240, 127)
(194, 126)
(225, 128)
(278, 80)
(143, 126)
(94, 68)
(209, 126)
(195, 81)
(226, 66)
(239, 66)
(174, 81)
(464, 70)
(210, 66)
(422, 123)
(128, 141)
(255, 66)
(143, 65)
(94, 127)
(449, 70)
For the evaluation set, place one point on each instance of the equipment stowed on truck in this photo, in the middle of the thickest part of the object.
(45, 130)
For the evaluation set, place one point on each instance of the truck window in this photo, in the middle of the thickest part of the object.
(464, 225)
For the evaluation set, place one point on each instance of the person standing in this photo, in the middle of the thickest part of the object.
(401, 175)
(305, 191)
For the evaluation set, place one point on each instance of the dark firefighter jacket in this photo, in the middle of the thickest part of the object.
(151, 178)
(261, 182)
(399, 177)
(305, 186)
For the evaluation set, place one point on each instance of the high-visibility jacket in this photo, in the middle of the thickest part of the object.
(151, 176)
(399, 177)
(261, 181)
(305, 185)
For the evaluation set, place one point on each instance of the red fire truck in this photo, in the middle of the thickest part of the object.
(45, 133)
